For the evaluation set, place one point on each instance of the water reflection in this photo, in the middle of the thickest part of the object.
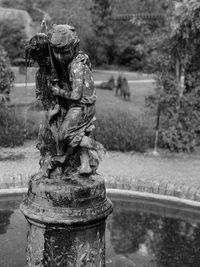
(136, 236)
(159, 241)
(4, 220)
(13, 229)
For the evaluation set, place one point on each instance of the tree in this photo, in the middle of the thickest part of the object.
(12, 37)
(103, 42)
(180, 105)
(29, 6)
(74, 12)
(6, 74)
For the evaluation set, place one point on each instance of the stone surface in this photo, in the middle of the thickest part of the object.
(80, 246)
(74, 199)
(66, 221)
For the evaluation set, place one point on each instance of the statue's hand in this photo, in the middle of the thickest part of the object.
(55, 90)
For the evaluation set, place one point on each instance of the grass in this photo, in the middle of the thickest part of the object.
(177, 168)
(136, 106)
(106, 101)
(128, 121)
(99, 75)
(22, 95)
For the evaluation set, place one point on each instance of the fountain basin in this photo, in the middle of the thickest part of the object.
(144, 229)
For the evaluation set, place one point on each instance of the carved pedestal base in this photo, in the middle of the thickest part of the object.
(66, 221)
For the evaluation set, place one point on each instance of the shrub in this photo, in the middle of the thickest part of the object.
(34, 119)
(6, 74)
(179, 115)
(121, 131)
(12, 38)
(12, 128)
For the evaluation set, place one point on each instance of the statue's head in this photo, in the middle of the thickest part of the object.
(37, 48)
(64, 42)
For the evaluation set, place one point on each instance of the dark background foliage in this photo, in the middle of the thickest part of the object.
(107, 41)
(166, 45)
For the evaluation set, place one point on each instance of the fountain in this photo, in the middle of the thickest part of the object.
(66, 204)
(142, 231)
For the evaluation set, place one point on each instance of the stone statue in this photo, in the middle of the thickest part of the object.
(65, 86)
(66, 205)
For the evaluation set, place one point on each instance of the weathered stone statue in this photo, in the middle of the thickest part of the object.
(66, 205)
(66, 88)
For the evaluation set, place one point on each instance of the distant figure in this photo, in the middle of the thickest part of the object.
(125, 89)
(109, 85)
(119, 85)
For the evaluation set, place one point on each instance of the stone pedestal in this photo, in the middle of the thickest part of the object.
(66, 221)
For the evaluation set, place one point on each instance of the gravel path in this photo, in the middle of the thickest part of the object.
(17, 164)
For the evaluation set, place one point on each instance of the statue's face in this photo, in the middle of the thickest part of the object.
(63, 55)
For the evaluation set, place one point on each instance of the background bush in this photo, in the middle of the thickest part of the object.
(12, 38)
(12, 128)
(6, 74)
(121, 131)
(117, 130)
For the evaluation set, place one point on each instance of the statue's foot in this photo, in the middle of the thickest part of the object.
(100, 150)
(47, 165)
(94, 160)
(58, 172)
(85, 170)
(59, 159)
(54, 111)
(45, 172)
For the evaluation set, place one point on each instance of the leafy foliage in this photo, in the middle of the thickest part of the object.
(103, 44)
(12, 38)
(6, 74)
(29, 5)
(12, 128)
(122, 132)
(74, 12)
(180, 104)
(106, 41)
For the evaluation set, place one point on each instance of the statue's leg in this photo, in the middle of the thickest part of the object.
(64, 136)
(85, 162)
(90, 143)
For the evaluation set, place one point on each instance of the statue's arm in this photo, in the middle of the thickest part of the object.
(77, 78)
(57, 91)
(77, 82)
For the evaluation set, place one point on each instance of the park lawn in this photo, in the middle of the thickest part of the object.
(104, 75)
(22, 95)
(99, 75)
(176, 168)
(109, 107)
(20, 76)
(106, 100)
